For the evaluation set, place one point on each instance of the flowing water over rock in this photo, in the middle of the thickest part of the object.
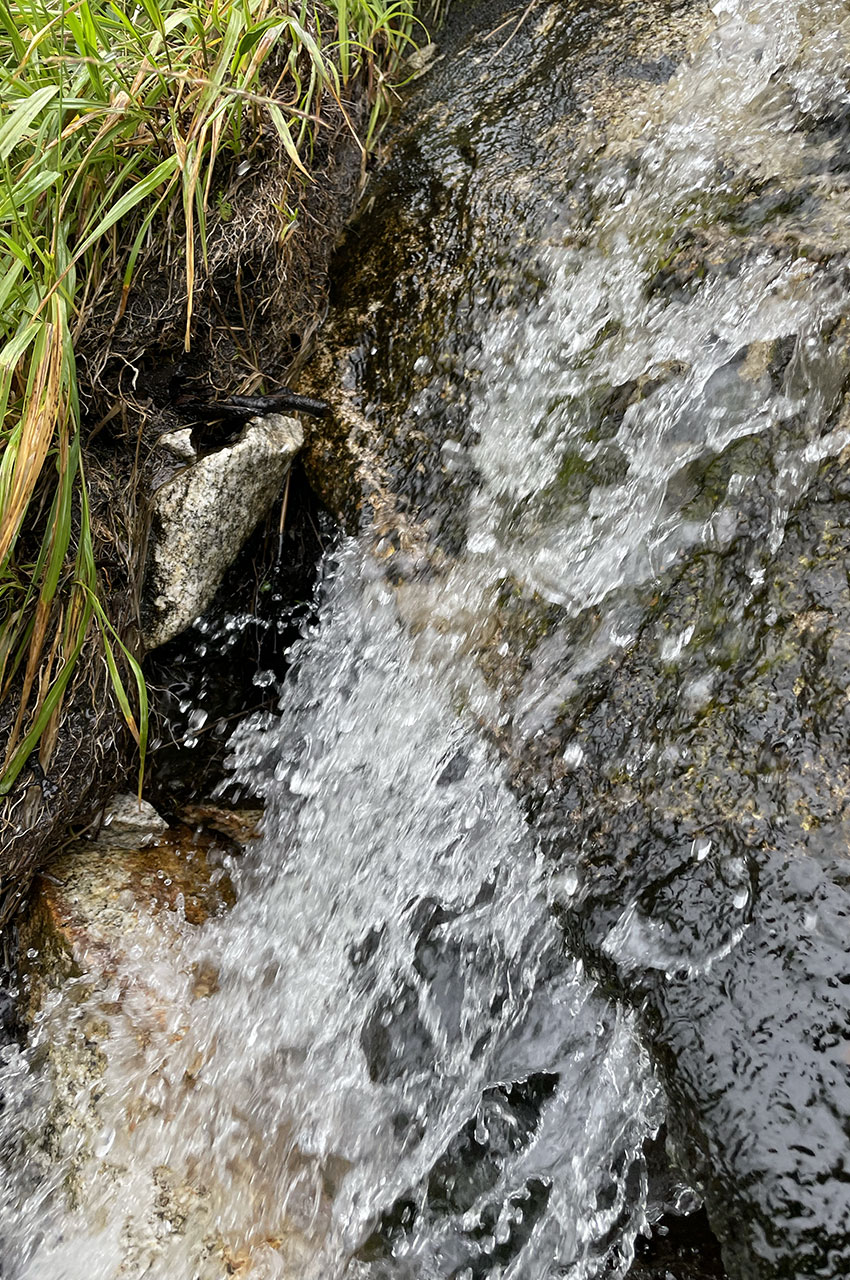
(556, 830)
(394, 1022)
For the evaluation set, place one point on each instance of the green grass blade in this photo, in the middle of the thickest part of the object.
(130, 200)
(15, 128)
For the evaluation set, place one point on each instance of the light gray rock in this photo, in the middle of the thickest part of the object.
(129, 823)
(202, 518)
(180, 444)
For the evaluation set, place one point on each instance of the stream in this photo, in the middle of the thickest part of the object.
(554, 855)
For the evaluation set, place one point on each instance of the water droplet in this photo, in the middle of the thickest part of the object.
(701, 848)
(103, 1143)
(566, 884)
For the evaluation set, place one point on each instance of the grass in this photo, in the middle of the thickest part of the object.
(113, 118)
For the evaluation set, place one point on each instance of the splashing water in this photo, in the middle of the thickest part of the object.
(395, 1036)
(391, 990)
(599, 407)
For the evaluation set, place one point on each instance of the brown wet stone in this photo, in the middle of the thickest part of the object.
(88, 904)
(241, 825)
(113, 986)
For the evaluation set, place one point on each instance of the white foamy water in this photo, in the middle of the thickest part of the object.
(579, 506)
(723, 125)
(390, 970)
(395, 1034)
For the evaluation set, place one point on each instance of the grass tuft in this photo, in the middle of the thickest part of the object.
(113, 116)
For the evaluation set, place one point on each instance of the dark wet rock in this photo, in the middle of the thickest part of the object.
(454, 224)
(505, 153)
(697, 785)
(710, 810)
(678, 1248)
(690, 777)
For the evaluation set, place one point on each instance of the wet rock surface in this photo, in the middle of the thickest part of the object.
(711, 796)
(453, 226)
(112, 986)
(677, 734)
(679, 741)
(103, 896)
(678, 1248)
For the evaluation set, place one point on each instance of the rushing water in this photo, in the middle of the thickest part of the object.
(400, 1071)
(392, 990)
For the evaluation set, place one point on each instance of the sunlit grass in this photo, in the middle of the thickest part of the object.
(113, 116)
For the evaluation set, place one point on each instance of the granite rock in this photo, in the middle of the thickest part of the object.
(202, 517)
